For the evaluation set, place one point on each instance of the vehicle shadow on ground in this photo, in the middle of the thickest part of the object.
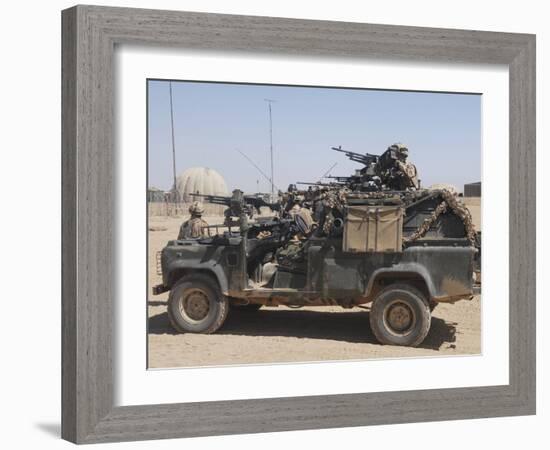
(350, 327)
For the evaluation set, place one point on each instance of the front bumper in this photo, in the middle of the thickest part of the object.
(159, 289)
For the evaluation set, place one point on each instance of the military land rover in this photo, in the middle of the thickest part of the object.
(399, 251)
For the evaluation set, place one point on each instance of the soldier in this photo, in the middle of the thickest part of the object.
(194, 227)
(394, 170)
(293, 251)
(407, 169)
(305, 214)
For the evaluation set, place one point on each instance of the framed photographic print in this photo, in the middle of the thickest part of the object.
(278, 224)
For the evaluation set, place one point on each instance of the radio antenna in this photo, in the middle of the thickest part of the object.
(328, 171)
(175, 189)
(269, 102)
(257, 167)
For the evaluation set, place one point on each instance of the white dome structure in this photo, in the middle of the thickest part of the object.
(200, 180)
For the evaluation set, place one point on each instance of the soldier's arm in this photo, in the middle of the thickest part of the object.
(409, 171)
(412, 173)
(401, 166)
(181, 234)
(205, 231)
(197, 228)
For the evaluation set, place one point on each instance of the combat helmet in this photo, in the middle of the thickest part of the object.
(401, 150)
(196, 208)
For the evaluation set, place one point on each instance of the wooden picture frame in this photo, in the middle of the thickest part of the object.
(90, 34)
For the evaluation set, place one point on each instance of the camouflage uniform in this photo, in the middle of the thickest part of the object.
(305, 214)
(409, 174)
(194, 227)
(292, 253)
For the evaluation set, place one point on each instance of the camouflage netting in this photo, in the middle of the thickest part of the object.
(335, 200)
(449, 201)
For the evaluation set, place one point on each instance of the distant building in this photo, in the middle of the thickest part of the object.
(155, 194)
(472, 189)
(200, 180)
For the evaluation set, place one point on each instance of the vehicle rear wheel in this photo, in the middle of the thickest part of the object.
(196, 305)
(400, 315)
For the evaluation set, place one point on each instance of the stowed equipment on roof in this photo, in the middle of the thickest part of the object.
(386, 180)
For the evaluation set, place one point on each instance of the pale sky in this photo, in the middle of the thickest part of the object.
(214, 120)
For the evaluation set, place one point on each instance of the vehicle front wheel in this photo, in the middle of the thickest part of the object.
(400, 315)
(196, 305)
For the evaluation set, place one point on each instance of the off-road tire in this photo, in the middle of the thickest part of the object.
(409, 299)
(250, 308)
(207, 289)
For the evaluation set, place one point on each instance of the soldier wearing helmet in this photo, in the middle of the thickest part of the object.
(399, 174)
(410, 174)
(194, 227)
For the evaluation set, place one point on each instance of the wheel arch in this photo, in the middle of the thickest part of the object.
(180, 272)
(418, 277)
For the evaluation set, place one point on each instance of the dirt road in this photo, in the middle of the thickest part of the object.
(273, 335)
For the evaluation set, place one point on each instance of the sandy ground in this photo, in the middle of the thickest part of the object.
(275, 335)
(474, 205)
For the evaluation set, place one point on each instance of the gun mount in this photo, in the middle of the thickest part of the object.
(240, 206)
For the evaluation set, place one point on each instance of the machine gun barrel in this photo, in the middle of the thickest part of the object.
(366, 158)
(319, 183)
(258, 202)
(215, 199)
(249, 200)
(312, 183)
(341, 179)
